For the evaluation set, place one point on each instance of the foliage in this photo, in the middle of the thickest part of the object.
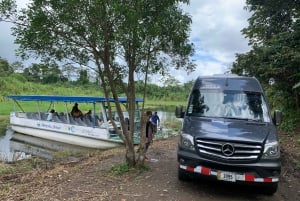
(18, 77)
(5, 68)
(274, 34)
(5, 169)
(120, 169)
(123, 168)
(282, 100)
(296, 163)
(23, 166)
(4, 121)
(14, 84)
(156, 95)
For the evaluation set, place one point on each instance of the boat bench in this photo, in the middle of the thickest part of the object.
(62, 118)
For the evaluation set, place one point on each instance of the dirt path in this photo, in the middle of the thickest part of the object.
(91, 179)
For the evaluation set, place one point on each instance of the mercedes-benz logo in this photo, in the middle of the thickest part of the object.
(228, 149)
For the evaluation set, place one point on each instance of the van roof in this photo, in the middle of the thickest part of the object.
(228, 82)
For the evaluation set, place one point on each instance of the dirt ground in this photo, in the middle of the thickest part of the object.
(91, 179)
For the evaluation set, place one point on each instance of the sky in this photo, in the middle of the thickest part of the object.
(215, 32)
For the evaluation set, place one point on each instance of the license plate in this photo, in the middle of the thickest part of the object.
(226, 176)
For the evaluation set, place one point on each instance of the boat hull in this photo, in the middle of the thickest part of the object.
(89, 137)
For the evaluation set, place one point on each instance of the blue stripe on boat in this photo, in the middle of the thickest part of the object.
(79, 99)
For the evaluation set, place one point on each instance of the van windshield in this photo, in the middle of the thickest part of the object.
(228, 104)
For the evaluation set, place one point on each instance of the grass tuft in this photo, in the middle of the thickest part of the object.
(120, 169)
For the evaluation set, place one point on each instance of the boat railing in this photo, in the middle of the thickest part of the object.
(21, 114)
(32, 115)
(94, 121)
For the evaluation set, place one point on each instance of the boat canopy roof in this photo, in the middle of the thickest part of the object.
(78, 99)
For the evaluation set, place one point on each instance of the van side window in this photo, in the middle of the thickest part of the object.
(197, 105)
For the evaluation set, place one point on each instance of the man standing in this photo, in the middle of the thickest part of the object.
(155, 120)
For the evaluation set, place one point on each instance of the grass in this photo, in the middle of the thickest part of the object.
(5, 169)
(22, 166)
(123, 168)
(296, 163)
(65, 154)
(4, 122)
(4, 188)
(9, 172)
(120, 169)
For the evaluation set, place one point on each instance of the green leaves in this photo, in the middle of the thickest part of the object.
(7, 9)
(274, 33)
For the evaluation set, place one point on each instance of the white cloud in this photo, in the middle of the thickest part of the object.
(216, 33)
(7, 46)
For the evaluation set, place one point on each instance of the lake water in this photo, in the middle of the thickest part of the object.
(5, 153)
(16, 146)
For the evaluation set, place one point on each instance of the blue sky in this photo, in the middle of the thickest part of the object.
(215, 32)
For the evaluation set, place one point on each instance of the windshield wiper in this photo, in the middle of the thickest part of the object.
(255, 120)
(246, 119)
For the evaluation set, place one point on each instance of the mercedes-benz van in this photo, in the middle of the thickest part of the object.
(228, 132)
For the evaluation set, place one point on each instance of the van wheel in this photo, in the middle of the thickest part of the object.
(183, 175)
(271, 189)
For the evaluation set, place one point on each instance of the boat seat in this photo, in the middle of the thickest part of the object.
(56, 119)
(21, 115)
(63, 118)
(36, 115)
(87, 121)
(29, 115)
(72, 121)
(44, 116)
(80, 122)
(32, 115)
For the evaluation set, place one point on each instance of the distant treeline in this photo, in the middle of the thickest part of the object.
(18, 84)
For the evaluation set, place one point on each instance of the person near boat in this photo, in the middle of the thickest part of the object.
(50, 115)
(76, 112)
(149, 130)
(88, 115)
(155, 121)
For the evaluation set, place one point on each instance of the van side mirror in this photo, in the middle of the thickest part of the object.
(277, 117)
(179, 111)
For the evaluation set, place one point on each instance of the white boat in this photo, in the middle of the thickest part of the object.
(96, 132)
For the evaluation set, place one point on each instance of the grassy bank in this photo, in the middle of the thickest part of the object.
(4, 122)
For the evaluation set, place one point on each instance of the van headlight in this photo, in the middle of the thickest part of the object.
(187, 141)
(271, 150)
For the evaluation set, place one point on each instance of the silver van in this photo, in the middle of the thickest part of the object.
(228, 133)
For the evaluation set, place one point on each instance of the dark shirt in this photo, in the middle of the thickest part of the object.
(149, 129)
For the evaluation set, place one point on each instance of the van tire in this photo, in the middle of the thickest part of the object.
(183, 175)
(271, 189)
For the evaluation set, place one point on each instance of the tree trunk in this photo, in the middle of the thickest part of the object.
(142, 148)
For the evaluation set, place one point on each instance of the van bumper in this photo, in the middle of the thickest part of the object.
(258, 172)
